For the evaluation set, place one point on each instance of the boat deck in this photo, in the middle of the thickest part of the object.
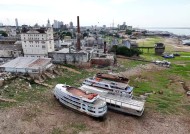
(80, 93)
(133, 103)
(112, 83)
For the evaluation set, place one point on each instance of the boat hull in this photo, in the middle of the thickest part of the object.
(79, 110)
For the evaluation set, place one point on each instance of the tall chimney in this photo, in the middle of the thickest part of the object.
(78, 30)
(104, 46)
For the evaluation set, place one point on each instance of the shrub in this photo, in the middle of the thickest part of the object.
(122, 50)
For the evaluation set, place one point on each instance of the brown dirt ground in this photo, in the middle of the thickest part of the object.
(43, 118)
(176, 45)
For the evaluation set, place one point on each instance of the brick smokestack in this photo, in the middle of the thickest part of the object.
(78, 30)
(104, 46)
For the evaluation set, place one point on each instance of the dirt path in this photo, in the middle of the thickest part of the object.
(141, 68)
(176, 45)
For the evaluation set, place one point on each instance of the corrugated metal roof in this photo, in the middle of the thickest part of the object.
(27, 62)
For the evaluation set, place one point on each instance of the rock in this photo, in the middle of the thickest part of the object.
(160, 92)
(188, 93)
(147, 94)
(143, 97)
(1, 82)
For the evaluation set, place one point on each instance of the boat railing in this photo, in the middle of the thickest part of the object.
(130, 102)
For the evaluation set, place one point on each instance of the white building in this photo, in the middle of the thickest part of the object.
(16, 22)
(37, 42)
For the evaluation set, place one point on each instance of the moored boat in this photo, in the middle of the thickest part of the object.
(82, 101)
(111, 86)
(112, 77)
(133, 105)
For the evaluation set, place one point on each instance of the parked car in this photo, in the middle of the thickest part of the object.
(176, 54)
(167, 55)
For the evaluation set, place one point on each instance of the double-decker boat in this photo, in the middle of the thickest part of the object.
(118, 88)
(132, 105)
(85, 102)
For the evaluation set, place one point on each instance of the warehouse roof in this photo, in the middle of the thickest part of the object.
(27, 62)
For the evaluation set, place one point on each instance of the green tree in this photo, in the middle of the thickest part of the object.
(129, 32)
(3, 33)
(69, 34)
(85, 35)
(122, 50)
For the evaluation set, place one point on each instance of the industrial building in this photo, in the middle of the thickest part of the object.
(27, 65)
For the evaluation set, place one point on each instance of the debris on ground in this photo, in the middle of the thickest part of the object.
(163, 63)
(6, 100)
(188, 93)
(43, 84)
(185, 87)
(70, 69)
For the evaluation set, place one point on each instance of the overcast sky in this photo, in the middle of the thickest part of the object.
(138, 13)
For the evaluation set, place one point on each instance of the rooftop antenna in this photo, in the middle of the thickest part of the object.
(113, 23)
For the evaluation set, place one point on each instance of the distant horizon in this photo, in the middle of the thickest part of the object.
(153, 27)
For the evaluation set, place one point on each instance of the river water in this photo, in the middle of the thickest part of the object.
(174, 31)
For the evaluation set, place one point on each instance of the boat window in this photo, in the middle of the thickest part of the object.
(106, 85)
(91, 111)
(113, 83)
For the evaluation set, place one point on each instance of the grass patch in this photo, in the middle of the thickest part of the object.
(20, 91)
(130, 63)
(56, 131)
(156, 82)
(78, 127)
(150, 42)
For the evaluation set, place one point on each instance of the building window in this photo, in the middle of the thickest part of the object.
(43, 46)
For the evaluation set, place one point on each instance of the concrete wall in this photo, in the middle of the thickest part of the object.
(68, 58)
(102, 62)
(10, 53)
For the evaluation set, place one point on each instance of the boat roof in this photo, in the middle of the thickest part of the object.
(80, 93)
(112, 77)
(84, 94)
(111, 83)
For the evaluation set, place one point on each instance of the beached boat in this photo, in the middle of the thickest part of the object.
(85, 102)
(112, 77)
(111, 86)
(133, 105)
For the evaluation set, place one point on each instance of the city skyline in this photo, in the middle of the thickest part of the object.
(138, 13)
